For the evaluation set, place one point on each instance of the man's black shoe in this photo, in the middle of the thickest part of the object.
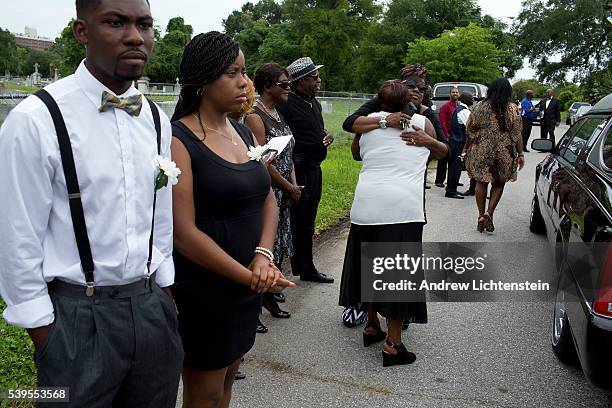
(440, 185)
(459, 184)
(469, 193)
(525, 150)
(317, 277)
(427, 186)
(278, 297)
(454, 195)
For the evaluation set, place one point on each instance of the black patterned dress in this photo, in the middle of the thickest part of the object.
(283, 245)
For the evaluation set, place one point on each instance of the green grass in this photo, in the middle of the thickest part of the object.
(340, 171)
(14, 86)
(16, 356)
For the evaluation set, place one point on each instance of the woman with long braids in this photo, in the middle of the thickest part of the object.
(494, 148)
(225, 219)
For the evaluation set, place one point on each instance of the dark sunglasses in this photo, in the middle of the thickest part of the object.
(283, 84)
(413, 85)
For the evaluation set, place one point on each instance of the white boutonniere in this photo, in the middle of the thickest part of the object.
(257, 152)
(167, 172)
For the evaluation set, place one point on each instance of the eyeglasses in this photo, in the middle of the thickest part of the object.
(411, 85)
(283, 84)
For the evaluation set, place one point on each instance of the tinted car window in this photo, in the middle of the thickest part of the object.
(580, 138)
(568, 136)
(607, 150)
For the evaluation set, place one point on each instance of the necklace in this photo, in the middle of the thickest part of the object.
(204, 125)
(272, 113)
(303, 100)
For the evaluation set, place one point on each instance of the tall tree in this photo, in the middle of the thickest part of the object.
(266, 10)
(463, 54)
(8, 53)
(384, 47)
(559, 36)
(166, 58)
(69, 51)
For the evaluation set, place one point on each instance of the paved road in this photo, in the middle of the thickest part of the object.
(469, 355)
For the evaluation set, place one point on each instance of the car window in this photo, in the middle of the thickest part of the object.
(580, 138)
(568, 136)
(607, 151)
(444, 90)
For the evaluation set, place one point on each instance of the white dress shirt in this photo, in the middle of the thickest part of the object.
(464, 115)
(114, 155)
(391, 188)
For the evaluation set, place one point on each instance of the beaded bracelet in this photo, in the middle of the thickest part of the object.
(265, 252)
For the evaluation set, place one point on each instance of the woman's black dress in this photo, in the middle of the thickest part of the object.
(217, 316)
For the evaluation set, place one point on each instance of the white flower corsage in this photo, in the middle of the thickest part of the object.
(167, 172)
(257, 152)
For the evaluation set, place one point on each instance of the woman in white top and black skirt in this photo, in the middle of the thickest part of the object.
(389, 206)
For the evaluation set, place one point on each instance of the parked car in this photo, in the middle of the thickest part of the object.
(572, 205)
(536, 110)
(441, 92)
(572, 111)
(582, 110)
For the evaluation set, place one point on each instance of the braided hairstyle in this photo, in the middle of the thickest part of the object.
(499, 95)
(205, 59)
(412, 70)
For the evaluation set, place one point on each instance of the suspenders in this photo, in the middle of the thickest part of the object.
(74, 193)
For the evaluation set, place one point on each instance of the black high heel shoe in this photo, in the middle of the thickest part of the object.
(260, 327)
(369, 339)
(272, 307)
(402, 357)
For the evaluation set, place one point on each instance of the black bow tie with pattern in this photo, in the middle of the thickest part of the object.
(132, 104)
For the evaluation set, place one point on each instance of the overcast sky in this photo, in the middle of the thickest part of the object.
(49, 17)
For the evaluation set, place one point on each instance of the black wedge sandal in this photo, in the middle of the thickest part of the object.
(369, 339)
(402, 357)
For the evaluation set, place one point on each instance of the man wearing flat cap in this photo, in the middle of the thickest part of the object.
(302, 113)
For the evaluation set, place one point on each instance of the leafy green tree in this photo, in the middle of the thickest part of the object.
(510, 62)
(279, 46)
(566, 98)
(576, 32)
(266, 10)
(8, 52)
(250, 39)
(69, 52)
(597, 84)
(519, 88)
(385, 44)
(44, 58)
(463, 54)
(165, 61)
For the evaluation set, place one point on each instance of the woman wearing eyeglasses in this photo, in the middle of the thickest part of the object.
(271, 81)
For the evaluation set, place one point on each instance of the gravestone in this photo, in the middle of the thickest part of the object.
(36, 77)
(177, 86)
(28, 81)
(55, 75)
(327, 107)
(142, 84)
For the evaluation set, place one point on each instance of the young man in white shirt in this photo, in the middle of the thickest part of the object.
(458, 138)
(83, 271)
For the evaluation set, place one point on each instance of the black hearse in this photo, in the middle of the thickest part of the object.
(572, 205)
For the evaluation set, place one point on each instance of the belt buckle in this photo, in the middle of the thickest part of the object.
(89, 290)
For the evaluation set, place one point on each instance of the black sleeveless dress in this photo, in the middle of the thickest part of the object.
(217, 316)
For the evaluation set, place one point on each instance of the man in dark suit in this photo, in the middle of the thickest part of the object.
(552, 115)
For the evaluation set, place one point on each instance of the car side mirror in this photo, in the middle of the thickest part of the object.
(543, 145)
